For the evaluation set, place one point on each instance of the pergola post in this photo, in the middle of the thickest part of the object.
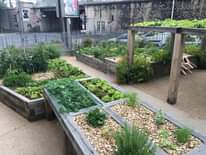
(131, 41)
(175, 67)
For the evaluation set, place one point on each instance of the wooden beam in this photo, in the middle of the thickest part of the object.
(175, 68)
(131, 41)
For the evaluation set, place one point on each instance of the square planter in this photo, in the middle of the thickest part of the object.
(32, 110)
(93, 93)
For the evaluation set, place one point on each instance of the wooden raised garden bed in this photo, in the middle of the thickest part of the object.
(30, 109)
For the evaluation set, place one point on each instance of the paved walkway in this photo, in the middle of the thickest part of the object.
(20, 137)
(182, 116)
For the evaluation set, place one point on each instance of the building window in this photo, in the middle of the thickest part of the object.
(25, 14)
(98, 26)
(103, 26)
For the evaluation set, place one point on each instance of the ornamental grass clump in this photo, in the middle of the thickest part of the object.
(183, 135)
(132, 99)
(133, 141)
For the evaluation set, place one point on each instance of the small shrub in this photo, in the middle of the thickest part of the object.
(159, 118)
(132, 99)
(15, 78)
(133, 141)
(182, 135)
(137, 72)
(96, 118)
(87, 42)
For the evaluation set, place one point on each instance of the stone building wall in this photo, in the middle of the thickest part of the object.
(111, 17)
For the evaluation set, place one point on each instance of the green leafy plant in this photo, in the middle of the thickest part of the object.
(159, 118)
(164, 140)
(29, 60)
(103, 90)
(133, 141)
(15, 78)
(139, 71)
(87, 42)
(132, 99)
(96, 118)
(183, 135)
(69, 95)
(34, 92)
(64, 70)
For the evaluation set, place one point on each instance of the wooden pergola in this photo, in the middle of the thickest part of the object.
(177, 40)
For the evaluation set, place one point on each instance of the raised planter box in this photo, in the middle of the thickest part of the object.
(82, 143)
(101, 65)
(65, 120)
(93, 95)
(32, 110)
(109, 66)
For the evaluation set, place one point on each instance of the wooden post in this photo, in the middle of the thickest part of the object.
(175, 68)
(131, 40)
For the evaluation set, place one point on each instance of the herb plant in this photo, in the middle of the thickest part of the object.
(133, 141)
(132, 99)
(159, 118)
(102, 90)
(69, 95)
(182, 135)
(15, 78)
(96, 118)
(164, 140)
(64, 70)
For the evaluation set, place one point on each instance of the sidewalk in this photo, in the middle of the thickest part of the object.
(179, 115)
(20, 137)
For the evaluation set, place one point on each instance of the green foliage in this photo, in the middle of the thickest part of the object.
(102, 90)
(15, 78)
(69, 95)
(96, 118)
(28, 60)
(183, 135)
(139, 71)
(64, 70)
(87, 42)
(133, 141)
(34, 92)
(105, 49)
(164, 140)
(186, 23)
(132, 99)
(159, 118)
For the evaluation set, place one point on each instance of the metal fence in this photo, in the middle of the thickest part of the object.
(27, 39)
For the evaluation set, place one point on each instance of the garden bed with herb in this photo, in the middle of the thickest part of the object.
(99, 134)
(168, 136)
(25, 74)
(104, 91)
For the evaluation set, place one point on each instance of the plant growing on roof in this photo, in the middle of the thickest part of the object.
(96, 118)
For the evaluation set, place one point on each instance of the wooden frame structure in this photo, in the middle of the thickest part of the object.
(177, 41)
